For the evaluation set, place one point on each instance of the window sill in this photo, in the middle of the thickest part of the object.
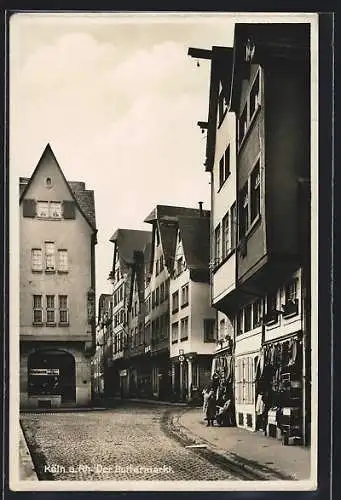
(175, 310)
(248, 131)
(49, 218)
(184, 305)
(174, 342)
(37, 324)
(183, 339)
(37, 271)
(222, 185)
(63, 324)
(225, 259)
(51, 324)
(50, 271)
(290, 315)
(62, 272)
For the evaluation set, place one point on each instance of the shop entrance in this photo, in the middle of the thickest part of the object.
(52, 373)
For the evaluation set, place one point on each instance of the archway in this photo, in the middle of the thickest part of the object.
(52, 372)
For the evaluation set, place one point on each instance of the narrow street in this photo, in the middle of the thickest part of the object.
(109, 444)
(130, 442)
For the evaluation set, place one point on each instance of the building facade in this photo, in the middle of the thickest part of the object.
(57, 287)
(264, 80)
(102, 359)
(165, 223)
(192, 319)
(128, 310)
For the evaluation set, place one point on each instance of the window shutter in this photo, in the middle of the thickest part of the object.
(69, 209)
(29, 208)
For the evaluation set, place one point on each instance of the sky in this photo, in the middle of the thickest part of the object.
(118, 99)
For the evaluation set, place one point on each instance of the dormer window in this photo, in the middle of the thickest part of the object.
(48, 182)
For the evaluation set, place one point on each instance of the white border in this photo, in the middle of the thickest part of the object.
(15, 483)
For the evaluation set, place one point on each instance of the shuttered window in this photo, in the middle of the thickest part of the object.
(29, 208)
(69, 209)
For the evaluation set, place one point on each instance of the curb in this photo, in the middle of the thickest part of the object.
(264, 472)
(27, 469)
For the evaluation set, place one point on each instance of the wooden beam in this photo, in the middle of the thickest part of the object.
(200, 53)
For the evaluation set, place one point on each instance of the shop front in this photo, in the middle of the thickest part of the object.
(279, 389)
(222, 377)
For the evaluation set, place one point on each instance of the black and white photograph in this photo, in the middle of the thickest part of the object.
(163, 251)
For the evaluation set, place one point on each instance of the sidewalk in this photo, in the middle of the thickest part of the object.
(246, 446)
(27, 471)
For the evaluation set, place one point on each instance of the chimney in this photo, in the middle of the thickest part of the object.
(200, 208)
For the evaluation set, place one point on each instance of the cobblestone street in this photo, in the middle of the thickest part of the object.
(109, 444)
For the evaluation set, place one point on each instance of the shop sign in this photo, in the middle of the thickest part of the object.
(181, 358)
(44, 371)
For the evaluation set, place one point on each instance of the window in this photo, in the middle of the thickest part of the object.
(175, 301)
(62, 261)
(50, 258)
(242, 124)
(255, 193)
(184, 295)
(37, 309)
(222, 105)
(63, 310)
(254, 97)
(37, 259)
(157, 267)
(42, 208)
(175, 332)
(179, 266)
(120, 293)
(290, 308)
(153, 299)
(217, 245)
(245, 389)
(166, 289)
(55, 209)
(240, 322)
(157, 296)
(251, 106)
(184, 329)
(161, 263)
(233, 225)
(247, 317)
(157, 236)
(271, 308)
(209, 330)
(291, 291)
(224, 167)
(257, 313)
(122, 316)
(162, 292)
(225, 236)
(50, 310)
(51, 210)
(244, 211)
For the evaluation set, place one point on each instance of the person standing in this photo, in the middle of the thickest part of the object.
(205, 393)
(211, 408)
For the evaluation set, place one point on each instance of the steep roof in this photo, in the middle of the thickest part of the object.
(167, 217)
(83, 197)
(129, 241)
(195, 237)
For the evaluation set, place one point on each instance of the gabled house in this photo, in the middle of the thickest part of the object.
(164, 220)
(57, 287)
(127, 269)
(192, 319)
(267, 293)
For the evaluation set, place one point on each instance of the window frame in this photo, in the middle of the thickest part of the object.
(184, 321)
(249, 118)
(64, 310)
(50, 309)
(39, 308)
(210, 333)
(39, 267)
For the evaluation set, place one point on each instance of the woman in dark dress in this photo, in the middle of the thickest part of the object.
(211, 408)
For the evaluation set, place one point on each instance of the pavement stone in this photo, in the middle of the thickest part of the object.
(241, 444)
(108, 445)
